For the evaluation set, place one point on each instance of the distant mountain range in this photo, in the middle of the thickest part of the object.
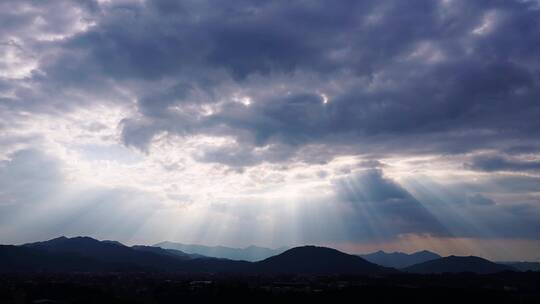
(400, 259)
(89, 255)
(251, 253)
(457, 264)
(85, 254)
(168, 252)
(114, 256)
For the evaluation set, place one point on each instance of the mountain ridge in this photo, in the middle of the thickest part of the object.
(88, 254)
(250, 253)
(399, 259)
(458, 264)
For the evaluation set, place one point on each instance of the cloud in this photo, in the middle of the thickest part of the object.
(262, 101)
(479, 199)
(38, 200)
(382, 92)
(390, 73)
(492, 163)
(482, 207)
(28, 176)
(385, 208)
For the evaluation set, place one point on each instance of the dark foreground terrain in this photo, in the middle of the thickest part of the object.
(86, 270)
(508, 287)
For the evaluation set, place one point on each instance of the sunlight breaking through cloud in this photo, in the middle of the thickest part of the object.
(357, 124)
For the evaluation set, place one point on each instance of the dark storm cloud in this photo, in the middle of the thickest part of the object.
(470, 99)
(384, 209)
(484, 208)
(424, 76)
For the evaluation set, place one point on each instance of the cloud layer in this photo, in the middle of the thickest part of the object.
(398, 112)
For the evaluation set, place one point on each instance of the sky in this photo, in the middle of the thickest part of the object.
(360, 125)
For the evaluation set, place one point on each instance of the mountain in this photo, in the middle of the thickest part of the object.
(399, 259)
(523, 266)
(319, 260)
(109, 252)
(168, 252)
(457, 264)
(90, 255)
(114, 256)
(18, 258)
(251, 253)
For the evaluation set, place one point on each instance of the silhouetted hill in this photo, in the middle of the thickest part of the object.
(88, 254)
(251, 253)
(320, 260)
(107, 252)
(457, 264)
(17, 258)
(523, 266)
(399, 259)
(110, 255)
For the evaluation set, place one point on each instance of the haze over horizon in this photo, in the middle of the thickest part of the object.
(358, 125)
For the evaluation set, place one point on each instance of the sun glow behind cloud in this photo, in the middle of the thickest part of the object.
(268, 204)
